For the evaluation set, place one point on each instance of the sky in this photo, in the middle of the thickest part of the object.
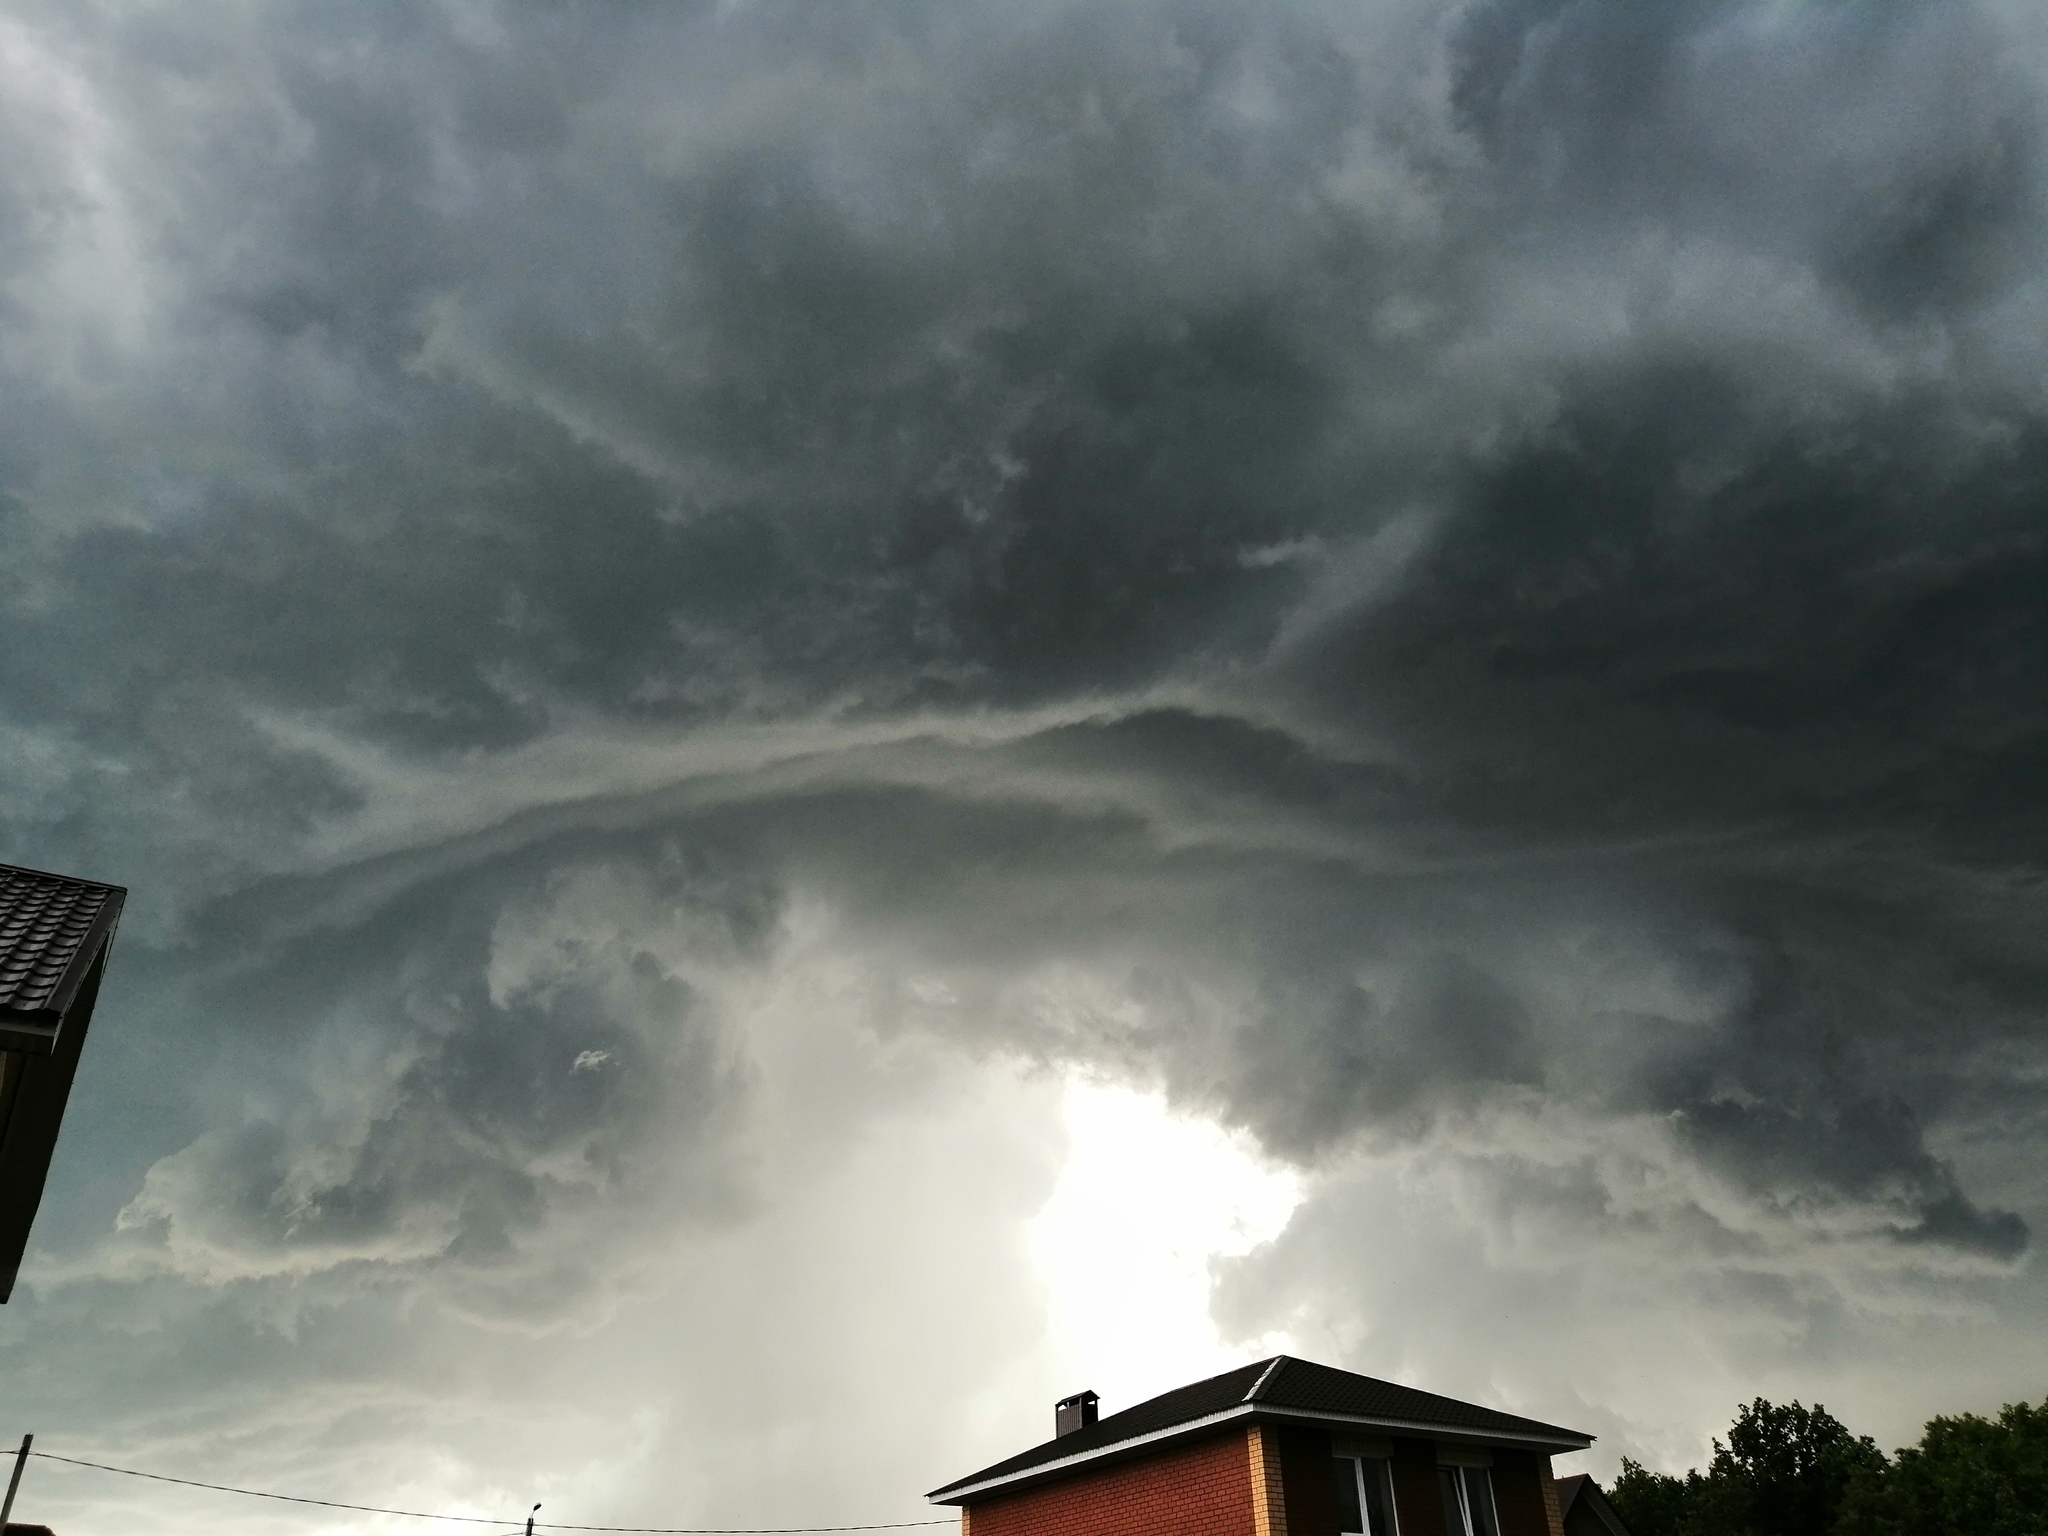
(825, 720)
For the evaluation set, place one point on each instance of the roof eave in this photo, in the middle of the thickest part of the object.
(1549, 1438)
(98, 935)
(31, 1031)
(35, 1030)
(1553, 1442)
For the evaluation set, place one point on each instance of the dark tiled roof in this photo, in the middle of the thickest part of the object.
(1162, 1412)
(48, 924)
(1323, 1389)
(1280, 1383)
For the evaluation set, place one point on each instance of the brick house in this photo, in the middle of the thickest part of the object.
(1283, 1447)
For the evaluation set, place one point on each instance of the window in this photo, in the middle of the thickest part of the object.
(1468, 1501)
(1365, 1502)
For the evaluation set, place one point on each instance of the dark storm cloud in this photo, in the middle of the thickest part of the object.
(1893, 149)
(431, 1086)
(1383, 572)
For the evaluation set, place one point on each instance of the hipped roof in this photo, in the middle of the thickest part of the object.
(1281, 1388)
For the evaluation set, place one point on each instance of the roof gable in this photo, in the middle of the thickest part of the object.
(1579, 1492)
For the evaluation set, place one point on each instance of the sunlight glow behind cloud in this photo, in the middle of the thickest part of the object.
(1145, 1203)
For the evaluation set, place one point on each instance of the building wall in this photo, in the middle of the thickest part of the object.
(1203, 1489)
(1522, 1494)
(1418, 1507)
(1553, 1507)
(1266, 1482)
(1310, 1497)
(1269, 1496)
(1523, 1497)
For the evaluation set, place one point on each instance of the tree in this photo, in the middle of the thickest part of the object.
(1655, 1503)
(1790, 1468)
(1785, 1471)
(1968, 1476)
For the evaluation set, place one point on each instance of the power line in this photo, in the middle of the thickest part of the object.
(414, 1514)
(284, 1498)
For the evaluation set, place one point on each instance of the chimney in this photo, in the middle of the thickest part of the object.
(1072, 1413)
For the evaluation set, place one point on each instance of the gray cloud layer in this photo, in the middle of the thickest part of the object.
(1458, 586)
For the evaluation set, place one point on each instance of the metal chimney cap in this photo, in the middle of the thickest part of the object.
(1072, 1413)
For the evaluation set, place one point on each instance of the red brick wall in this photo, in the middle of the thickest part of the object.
(1311, 1493)
(1553, 1507)
(1269, 1492)
(1518, 1493)
(1418, 1505)
(1198, 1490)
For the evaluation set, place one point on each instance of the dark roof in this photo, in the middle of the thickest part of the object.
(1304, 1384)
(1281, 1387)
(55, 936)
(50, 927)
(1179, 1406)
(1580, 1495)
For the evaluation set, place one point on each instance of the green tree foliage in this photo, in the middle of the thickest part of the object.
(1785, 1471)
(1790, 1468)
(1983, 1477)
(1793, 1471)
(1655, 1503)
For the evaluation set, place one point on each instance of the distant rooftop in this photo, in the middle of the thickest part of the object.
(1586, 1510)
(1280, 1388)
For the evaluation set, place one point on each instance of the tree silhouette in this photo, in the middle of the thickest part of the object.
(1983, 1477)
(1785, 1471)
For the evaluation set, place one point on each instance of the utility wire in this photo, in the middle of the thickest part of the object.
(414, 1514)
(285, 1498)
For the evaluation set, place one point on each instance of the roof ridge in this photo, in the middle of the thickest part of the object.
(51, 874)
(1264, 1376)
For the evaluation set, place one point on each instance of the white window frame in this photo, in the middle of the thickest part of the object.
(1460, 1479)
(1383, 1470)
